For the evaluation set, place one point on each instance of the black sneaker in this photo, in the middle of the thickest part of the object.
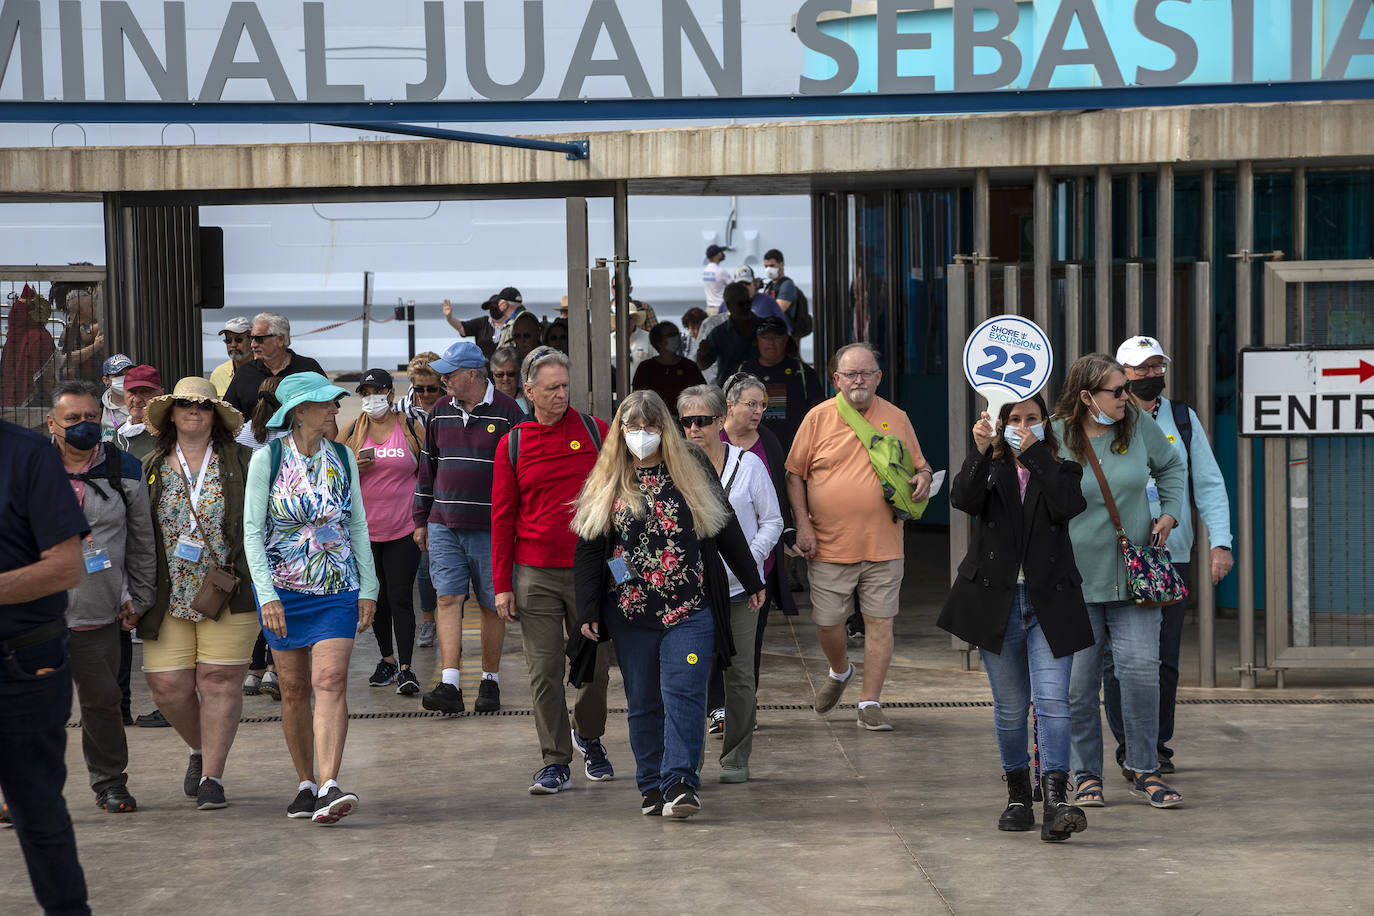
(303, 805)
(680, 801)
(334, 805)
(116, 800)
(154, 719)
(210, 795)
(191, 783)
(445, 698)
(385, 674)
(407, 684)
(652, 803)
(488, 696)
(717, 726)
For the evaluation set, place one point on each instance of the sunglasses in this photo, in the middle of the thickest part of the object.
(696, 420)
(235, 338)
(426, 389)
(259, 338)
(1118, 392)
(185, 404)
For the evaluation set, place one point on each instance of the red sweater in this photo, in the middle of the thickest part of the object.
(531, 507)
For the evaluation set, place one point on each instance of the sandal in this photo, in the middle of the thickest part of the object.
(1088, 793)
(1158, 797)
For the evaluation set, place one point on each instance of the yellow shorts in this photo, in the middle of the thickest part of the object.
(181, 644)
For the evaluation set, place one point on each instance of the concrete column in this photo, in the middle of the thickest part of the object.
(1102, 256)
(579, 340)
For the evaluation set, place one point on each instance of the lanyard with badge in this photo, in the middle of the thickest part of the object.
(329, 535)
(95, 557)
(190, 546)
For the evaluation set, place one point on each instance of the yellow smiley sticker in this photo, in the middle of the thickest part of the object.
(491, 427)
(885, 425)
(692, 659)
(787, 371)
(151, 479)
(1171, 440)
(575, 445)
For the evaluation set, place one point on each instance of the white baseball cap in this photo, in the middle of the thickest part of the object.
(1138, 349)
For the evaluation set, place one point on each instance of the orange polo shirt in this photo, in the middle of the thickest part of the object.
(853, 522)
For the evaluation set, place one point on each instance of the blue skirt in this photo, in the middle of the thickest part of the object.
(313, 618)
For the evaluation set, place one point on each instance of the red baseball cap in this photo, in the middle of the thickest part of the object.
(142, 377)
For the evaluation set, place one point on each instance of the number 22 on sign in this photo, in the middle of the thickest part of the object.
(1007, 359)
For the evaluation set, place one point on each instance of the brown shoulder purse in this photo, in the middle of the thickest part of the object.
(220, 583)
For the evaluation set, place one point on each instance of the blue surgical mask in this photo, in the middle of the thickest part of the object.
(1013, 434)
(1102, 417)
(82, 436)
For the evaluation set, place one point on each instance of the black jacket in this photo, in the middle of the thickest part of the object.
(242, 393)
(592, 577)
(779, 584)
(1008, 536)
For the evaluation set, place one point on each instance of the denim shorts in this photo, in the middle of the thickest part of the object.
(460, 563)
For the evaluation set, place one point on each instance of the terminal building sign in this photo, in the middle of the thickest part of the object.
(970, 45)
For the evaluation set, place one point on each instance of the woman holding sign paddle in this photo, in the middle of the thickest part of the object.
(1017, 598)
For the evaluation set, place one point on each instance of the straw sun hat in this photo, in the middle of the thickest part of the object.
(192, 388)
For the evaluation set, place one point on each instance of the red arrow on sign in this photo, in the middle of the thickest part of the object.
(1365, 371)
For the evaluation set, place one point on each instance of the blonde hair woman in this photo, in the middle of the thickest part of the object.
(653, 525)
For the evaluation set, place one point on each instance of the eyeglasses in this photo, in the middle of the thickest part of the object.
(259, 338)
(185, 404)
(1161, 369)
(426, 389)
(856, 374)
(505, 375)
(697, 420)
(1118, 392)
(642, 429)
(751, 405)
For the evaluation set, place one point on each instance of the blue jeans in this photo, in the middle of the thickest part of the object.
(1027, 669)
(665, 673)
(1170, 646)
(1131, 634)
(460, 562)
(33, 769)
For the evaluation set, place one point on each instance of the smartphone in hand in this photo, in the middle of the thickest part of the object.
(368, 453)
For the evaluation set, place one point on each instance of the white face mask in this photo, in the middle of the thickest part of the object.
(117, 384)
(770, 273)
(375, 406)
(642, 443)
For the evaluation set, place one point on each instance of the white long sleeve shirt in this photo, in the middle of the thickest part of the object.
(755, 502)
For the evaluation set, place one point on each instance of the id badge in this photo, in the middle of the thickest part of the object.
(96, 559)
(328, 536)
(188, 549)
(1152, 492)
(619, 571)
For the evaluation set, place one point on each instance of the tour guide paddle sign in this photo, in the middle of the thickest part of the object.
(1007, 359)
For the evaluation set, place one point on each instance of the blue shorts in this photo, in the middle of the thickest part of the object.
(460, 563)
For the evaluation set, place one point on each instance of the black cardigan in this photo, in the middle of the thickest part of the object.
(592, 577)
(1009, 535)
(779, 585)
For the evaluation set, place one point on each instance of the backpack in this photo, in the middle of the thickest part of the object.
(274, 452)
(801, 315)
(112, 475)
(513, 438)
(1184, 422)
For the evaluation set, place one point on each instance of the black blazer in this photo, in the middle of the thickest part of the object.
(1007, 536)
(779, 583)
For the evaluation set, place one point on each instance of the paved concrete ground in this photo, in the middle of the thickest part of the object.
(836, 818)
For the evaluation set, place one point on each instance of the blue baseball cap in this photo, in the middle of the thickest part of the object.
(116, 365)
(462, 355)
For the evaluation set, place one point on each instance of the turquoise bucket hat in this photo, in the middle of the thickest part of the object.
(303, 388)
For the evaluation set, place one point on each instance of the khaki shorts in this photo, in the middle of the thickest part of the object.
(181, 644)
(833, 586)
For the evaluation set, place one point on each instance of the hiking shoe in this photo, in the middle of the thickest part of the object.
(874, 719)
(385, 674)
(407, 684)
(333, 806)
(831, 691)
(303, 805)
(425, 638)
(488, 696)
(445, 698)
(651, 805)
(271, 686)
(599, 767)
(551, 780)
(191, 783)
(716, 728)
(252, 684)
(154, 719)
(210, 795)
(116, 800)
(680, 801)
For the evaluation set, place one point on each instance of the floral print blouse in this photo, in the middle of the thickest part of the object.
(309, 547)
(174, 516)
(661, 553)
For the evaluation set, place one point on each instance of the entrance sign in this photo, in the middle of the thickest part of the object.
(1007, 359)
(1289, 392)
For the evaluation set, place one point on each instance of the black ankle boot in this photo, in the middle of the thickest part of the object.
(1060, 818)
(1020, 815)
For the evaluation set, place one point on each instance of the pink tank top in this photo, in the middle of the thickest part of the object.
(389, 487)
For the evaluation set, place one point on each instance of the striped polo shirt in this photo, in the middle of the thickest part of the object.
(454, 484)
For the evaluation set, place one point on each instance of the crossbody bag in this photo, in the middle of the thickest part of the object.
(220, 583)
(1151, 580)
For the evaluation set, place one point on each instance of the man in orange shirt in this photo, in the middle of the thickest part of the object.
(846, 529)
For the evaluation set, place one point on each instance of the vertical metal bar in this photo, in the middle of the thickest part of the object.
(621, 221)
(1080, 218)
(1133, 215)
(367, 315)
(982, 242)
(1298, 513)
(410, 329)
(1202, 357)
(1245, 478)
(579, 344)
(600, 328)
(1011, 293)
(959, 422)
(1041, 241)
(1164, 258)
(1102, 254)
(1208, 217)
(1133, 321)
(1274, 475)
(1073, 313)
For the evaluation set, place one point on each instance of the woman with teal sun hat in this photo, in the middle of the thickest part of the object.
(316, 590)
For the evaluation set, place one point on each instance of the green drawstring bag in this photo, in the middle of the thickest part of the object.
(891, 462)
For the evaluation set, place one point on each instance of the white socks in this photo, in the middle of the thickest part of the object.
(308, 784)
(195, 752)
(491, 676)
(842, 677)
(215, 779)
(864, 704)
(451, 676)
(328, 784)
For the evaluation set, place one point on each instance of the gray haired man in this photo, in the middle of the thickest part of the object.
(271, 341)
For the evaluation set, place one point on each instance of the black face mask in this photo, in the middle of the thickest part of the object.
(1148, 388)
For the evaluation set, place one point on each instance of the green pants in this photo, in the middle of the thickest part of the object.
(741, 700)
